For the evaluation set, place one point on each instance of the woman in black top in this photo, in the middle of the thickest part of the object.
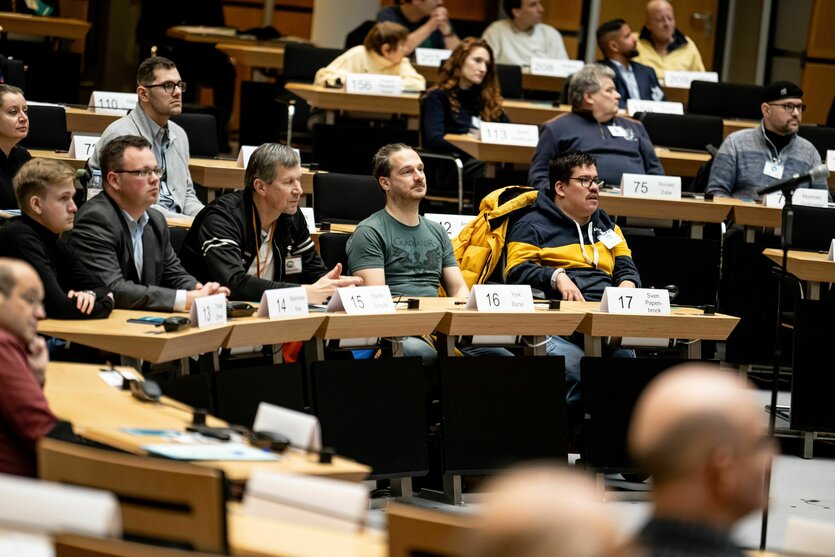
(14, 126)
(45, 190)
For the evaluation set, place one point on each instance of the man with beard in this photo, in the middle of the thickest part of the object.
(751, 159)
(632, 80)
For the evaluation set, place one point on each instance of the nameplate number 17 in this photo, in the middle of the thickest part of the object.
(501, 298)
(636, 301)
(209, 310)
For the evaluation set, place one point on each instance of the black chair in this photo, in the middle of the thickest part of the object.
(357, 35)
(811, 383)
(822, 137)
(301, 62)
(13, 72)
(201, 130)
(345, 198)
(812, 228)
(47, 128)
(241, 390)
(726, 100)
(194, 390)
(348, 146)
(688, 131)
(510, 80)
(332, 249)
(444, 171)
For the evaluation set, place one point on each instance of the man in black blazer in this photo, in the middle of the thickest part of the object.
(125, 243)
(632, 80)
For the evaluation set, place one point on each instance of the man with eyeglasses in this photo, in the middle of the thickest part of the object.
(160, 92)
(125, 243)
(570, 249)
(751, 159)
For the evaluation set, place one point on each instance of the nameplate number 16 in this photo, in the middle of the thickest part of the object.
(209, 310)
(636, 301)
(501, 298)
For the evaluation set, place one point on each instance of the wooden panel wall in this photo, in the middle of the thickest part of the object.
(291, 17)
(819, 75)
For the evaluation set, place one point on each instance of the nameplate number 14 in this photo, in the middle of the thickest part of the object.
(283, 302)
(501, 298)
(636, 301)
(209, 310)
(644, 185)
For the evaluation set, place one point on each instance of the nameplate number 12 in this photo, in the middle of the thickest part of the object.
(209, 310)
(644, 185)
(636, 301)
(362, 299)
(500, 298)
(283, 302)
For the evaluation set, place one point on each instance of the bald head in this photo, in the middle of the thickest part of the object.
(661, 21)
(545, 512)
(21, 299)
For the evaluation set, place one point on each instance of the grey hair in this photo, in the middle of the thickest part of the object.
(265, 160)
(587, 80)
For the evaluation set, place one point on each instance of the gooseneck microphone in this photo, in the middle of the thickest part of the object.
(819, 172)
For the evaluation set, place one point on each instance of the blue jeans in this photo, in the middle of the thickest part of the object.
(416, 346)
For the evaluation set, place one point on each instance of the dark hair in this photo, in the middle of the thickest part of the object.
(265, 160)
(385, 33)
(36, 176)
(450, 75)
(561, 167)
(145, 73)
(510, 5)
(110, 156)
(611, 26)
(382, 159)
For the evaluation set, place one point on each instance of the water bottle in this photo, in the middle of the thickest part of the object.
(94, 185)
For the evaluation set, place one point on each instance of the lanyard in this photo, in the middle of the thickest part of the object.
(258, 248)
(583, 243)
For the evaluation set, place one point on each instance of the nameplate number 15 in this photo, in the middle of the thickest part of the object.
(362, 299)
(636, 301)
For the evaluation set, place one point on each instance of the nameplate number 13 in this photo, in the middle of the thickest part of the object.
(209, 310)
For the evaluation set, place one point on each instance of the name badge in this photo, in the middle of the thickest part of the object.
(644, 185)
(635, 301)
(81, 146)
(620, 131)
(293, 265)
(475, 123)
(500, 298)
(362, 300)
(660, 107)
(244, 154)
(431, 56)
(554, 67)
(830, 160)
(113, 101)
(209, 310)
(682, 80)
(373, 84)
(609, 238)
(525, 135)
(657, 93)
(773, 169)
(283, 302)
(452, 224)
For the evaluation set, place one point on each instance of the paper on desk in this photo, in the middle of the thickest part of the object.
(26, 545)
(114, 378)
(221, 451)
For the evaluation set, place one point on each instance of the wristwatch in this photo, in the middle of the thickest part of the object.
(557, 273)
(90, 292)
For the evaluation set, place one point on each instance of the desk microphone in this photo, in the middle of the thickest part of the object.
(819, 172)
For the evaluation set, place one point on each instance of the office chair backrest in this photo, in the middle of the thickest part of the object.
(345, 198)
(726, 100)
(418, 531)
(332, 249)
(357, 35)
(813, 228)
(47, 128)
(201, 130)
(160, 499)
(510, 80)
(822, 137)
(302, 61)
(687, 131)
(14, 71)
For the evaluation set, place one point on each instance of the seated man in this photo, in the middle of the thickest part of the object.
(125, 243)
(45, 190)
(620, 145)
(24, 414)
(754, 158)
(398, 247)
(223, 245)
(702, 434)
(427, 22)
(160, 92)
(632, 80)
(662, 46)
(523, 36)
(571, 250)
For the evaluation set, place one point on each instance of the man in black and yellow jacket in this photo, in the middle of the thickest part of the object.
(572, 250)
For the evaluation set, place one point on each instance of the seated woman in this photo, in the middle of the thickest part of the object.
(466, 94)
(45, 191)
(382, 52)
(14, 126)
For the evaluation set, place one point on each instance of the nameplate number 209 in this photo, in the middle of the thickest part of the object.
(637, 301)
(362, 299)
(209, 310)
(501, 298)
(644, 185)
(283, 302)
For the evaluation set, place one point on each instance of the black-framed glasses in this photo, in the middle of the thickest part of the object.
(168, 86)
(587, 182)
(791, 107)
(144, 172)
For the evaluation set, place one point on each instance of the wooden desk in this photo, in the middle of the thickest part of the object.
(338, 99)
(756, 215)
(695, 211)
(808, 266)
(91, 120)
(75, 392)
(208, 35)
(75, 30)
(682, 323)
(249, 55)
(253, 331)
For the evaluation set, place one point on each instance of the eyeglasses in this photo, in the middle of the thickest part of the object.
(168, 86)
(587, 182)
(788, 107)
(143, 173)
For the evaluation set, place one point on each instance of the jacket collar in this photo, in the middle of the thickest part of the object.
(679, 39)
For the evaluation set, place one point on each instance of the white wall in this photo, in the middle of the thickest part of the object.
(334, 19)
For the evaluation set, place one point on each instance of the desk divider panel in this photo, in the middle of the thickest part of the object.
(241, 390)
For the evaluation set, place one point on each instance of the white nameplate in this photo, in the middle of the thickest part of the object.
(307, 213)
(373, 84)
(638, 301)
(830, 160)
(452, 224)
(831, 255)
(362, 299)
(644, 185)
(303, 430)
(283, 302)
(431, 56)
(660, 107)
(209, 310)
(244, 154)
(526, 135)
(81, 145)
(801, 196)
(775, 199)
(554, 67)
(501, 297)
(682, 80)
(113, 101)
